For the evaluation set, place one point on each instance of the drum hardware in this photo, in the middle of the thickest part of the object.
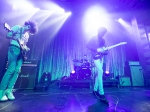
(82, 69)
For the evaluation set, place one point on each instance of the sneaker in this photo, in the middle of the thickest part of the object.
(10, 95)
(4, 98)
(95, 93)
(103, 99)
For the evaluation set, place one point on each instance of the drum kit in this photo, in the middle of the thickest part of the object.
(82, 69)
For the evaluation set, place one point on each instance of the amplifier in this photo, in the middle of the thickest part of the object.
(30, 63)
(134, 63)
(28, 77)
(137, 76)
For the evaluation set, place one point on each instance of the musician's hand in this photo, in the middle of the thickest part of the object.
(26, 48)
(16, 36)
(11, 35)
(100, 49)
(106, 48)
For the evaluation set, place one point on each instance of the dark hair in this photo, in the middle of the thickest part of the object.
(103, 29)
(33, 25)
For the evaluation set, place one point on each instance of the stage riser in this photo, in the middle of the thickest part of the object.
(86, 83)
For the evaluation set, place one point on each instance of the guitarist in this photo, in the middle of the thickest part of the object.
(18, 36)
(95, 45)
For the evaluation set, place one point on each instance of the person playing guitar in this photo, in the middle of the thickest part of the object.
(18, 36)
(98, 49)
(96, 45)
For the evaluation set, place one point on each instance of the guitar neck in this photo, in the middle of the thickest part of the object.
(110, 47)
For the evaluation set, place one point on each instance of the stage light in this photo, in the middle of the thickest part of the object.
(68, 13)
(61, 10)
(107, 75)
(73, 75)
(73, 72)
(120, 20)
(126, 25)
(95, 17)
(107, 72)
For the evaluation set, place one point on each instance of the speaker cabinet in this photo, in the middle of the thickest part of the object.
(27, 78)
(134, 70)
(137, 76)
(125, 81)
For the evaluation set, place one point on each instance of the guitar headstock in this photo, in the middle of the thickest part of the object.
(121, 43)
(7, 27)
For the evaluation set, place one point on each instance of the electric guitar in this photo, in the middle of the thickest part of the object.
(22, 47)
(103, 50)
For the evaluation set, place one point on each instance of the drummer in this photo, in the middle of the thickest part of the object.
(85, 62)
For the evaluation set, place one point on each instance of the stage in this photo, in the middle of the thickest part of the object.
(79, 99)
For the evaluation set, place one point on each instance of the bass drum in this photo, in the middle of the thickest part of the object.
(84, 73)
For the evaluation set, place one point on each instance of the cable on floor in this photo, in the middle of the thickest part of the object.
(61, 105)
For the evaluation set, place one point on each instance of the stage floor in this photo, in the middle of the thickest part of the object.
(56, 99)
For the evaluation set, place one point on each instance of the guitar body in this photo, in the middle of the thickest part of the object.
(24, 57)
(99, 55)
(104, 50)
(23, 51)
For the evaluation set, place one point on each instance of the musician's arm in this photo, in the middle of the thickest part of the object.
(103, 48)
(26, 48)
(13, 33)
(9, 35)
(91, 47)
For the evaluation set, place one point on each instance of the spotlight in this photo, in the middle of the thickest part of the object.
(107, 72)
(73, 72)
(120, 20)
(62, 10)
(68, 14)
(106, 75)
(73, 75)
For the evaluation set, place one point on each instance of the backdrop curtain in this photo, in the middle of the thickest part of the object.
(56, 53)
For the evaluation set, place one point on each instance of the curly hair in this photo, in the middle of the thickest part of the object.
(33, 25)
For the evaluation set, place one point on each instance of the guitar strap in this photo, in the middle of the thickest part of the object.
(20, 34)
